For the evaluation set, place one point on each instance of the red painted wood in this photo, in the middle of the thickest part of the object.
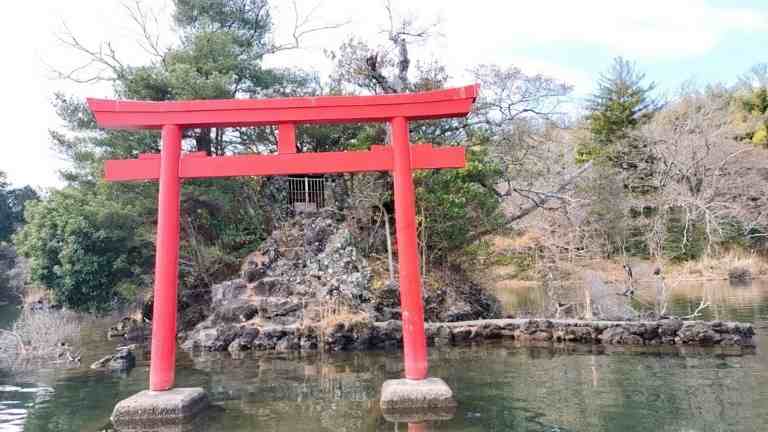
(170, 167)
(286, 138)
(417, 427)
(411, 305)
(379, 158)
(143, 168)
(424, 156)
(162, 370)
(455, 102)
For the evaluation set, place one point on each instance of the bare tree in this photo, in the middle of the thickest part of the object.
(702, 177)
(386, 67)
(368, 196)
(703, 171)
(101, 62)
(304, 24)
(756, 77)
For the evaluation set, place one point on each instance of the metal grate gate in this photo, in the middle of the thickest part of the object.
(306, 193)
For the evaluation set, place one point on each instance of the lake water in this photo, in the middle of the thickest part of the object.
(499, 387)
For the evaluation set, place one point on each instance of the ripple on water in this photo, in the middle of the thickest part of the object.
(499, 387)
(12, 412)
(16, 402)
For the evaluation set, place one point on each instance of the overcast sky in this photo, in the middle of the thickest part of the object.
(672, 41)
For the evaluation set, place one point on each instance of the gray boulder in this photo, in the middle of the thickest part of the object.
(122, 361)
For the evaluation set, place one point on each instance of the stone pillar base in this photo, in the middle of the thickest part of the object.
(159, 410)
(419, 415)
(409, 395)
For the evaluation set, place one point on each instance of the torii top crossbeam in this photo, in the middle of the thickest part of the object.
(170, 167)
(286, 113)
(455, 102)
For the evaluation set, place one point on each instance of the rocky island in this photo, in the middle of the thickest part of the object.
(308, 288)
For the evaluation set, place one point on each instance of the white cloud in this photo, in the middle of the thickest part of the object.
(641, 29)
(502, 32)
(496, 31)
(648, 29)
(26, 78)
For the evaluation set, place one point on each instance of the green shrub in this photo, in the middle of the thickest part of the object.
(761, 136)
(83, 247)
(456, 204)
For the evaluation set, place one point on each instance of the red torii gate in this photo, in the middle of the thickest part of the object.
(170, 167)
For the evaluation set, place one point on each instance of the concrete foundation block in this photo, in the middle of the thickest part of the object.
(418, 415)
(150, 410)
(405, 394)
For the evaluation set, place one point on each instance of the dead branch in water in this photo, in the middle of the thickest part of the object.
(703, 305)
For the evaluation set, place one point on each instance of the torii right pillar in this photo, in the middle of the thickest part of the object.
(416, 391)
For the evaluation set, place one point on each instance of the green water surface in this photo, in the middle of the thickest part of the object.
(499, 387)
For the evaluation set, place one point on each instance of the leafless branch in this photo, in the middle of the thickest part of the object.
(151, 39)
(105, 57)
(704, 304)
(303, 26)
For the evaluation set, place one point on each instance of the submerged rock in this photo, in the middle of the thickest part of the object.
(128, 328)
(43, 305)
(122, 361)
(738, 275)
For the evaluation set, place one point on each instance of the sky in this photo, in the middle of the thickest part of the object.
(672, 41)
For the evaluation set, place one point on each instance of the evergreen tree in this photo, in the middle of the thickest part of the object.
(6, 218)
(752, 98)
(85, 247)
(621, 102)
(91, 243)
(12, 203)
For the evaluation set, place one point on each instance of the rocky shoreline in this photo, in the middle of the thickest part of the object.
(367, 335)
(308, 288)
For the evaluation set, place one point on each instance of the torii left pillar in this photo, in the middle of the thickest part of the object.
(411, 303)
(169, 405)
(162, 370)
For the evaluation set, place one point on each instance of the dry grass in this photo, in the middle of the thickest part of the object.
(610, 271)
(42, 331)
(503, 272)
(329, 316)
(337, 312)
(515, 285)
(509, 265)
(45, 336)
(34, 294)
(379, 271)
(718, 267)
(525, 241)
(706, 268)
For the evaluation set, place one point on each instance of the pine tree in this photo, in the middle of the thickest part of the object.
(12, 204)
(95, 236)
(621, 102)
